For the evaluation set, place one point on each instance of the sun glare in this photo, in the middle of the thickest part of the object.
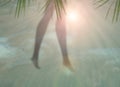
(75, 17)
(72, 16)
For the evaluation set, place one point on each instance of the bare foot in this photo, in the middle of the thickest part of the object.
(68, 65)
(35, 63)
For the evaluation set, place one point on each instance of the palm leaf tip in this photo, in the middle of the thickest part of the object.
(114, 5)
(59, 7)
(21, 6)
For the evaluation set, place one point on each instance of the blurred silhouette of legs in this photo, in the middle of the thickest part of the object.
(41, 29)
(61, 35)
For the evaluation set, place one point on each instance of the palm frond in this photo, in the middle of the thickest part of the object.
(58, 4)
(115, 4)
(59, 7)
(101, 2)
(21, 6)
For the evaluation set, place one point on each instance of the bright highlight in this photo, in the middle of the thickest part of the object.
(72, 16)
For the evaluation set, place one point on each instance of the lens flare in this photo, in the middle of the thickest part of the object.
(72, 16)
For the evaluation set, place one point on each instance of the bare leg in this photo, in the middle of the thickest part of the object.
(41, 29)
(61, 34)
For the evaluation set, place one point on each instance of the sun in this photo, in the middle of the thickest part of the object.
(72, 16)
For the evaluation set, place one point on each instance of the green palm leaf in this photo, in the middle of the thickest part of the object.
(60, 6)
(114, 4)
(21, 6)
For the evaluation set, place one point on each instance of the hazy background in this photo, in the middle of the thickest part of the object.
(93, 46)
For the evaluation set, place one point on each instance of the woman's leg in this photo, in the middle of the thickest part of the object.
(61, 34)
(41, 29)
